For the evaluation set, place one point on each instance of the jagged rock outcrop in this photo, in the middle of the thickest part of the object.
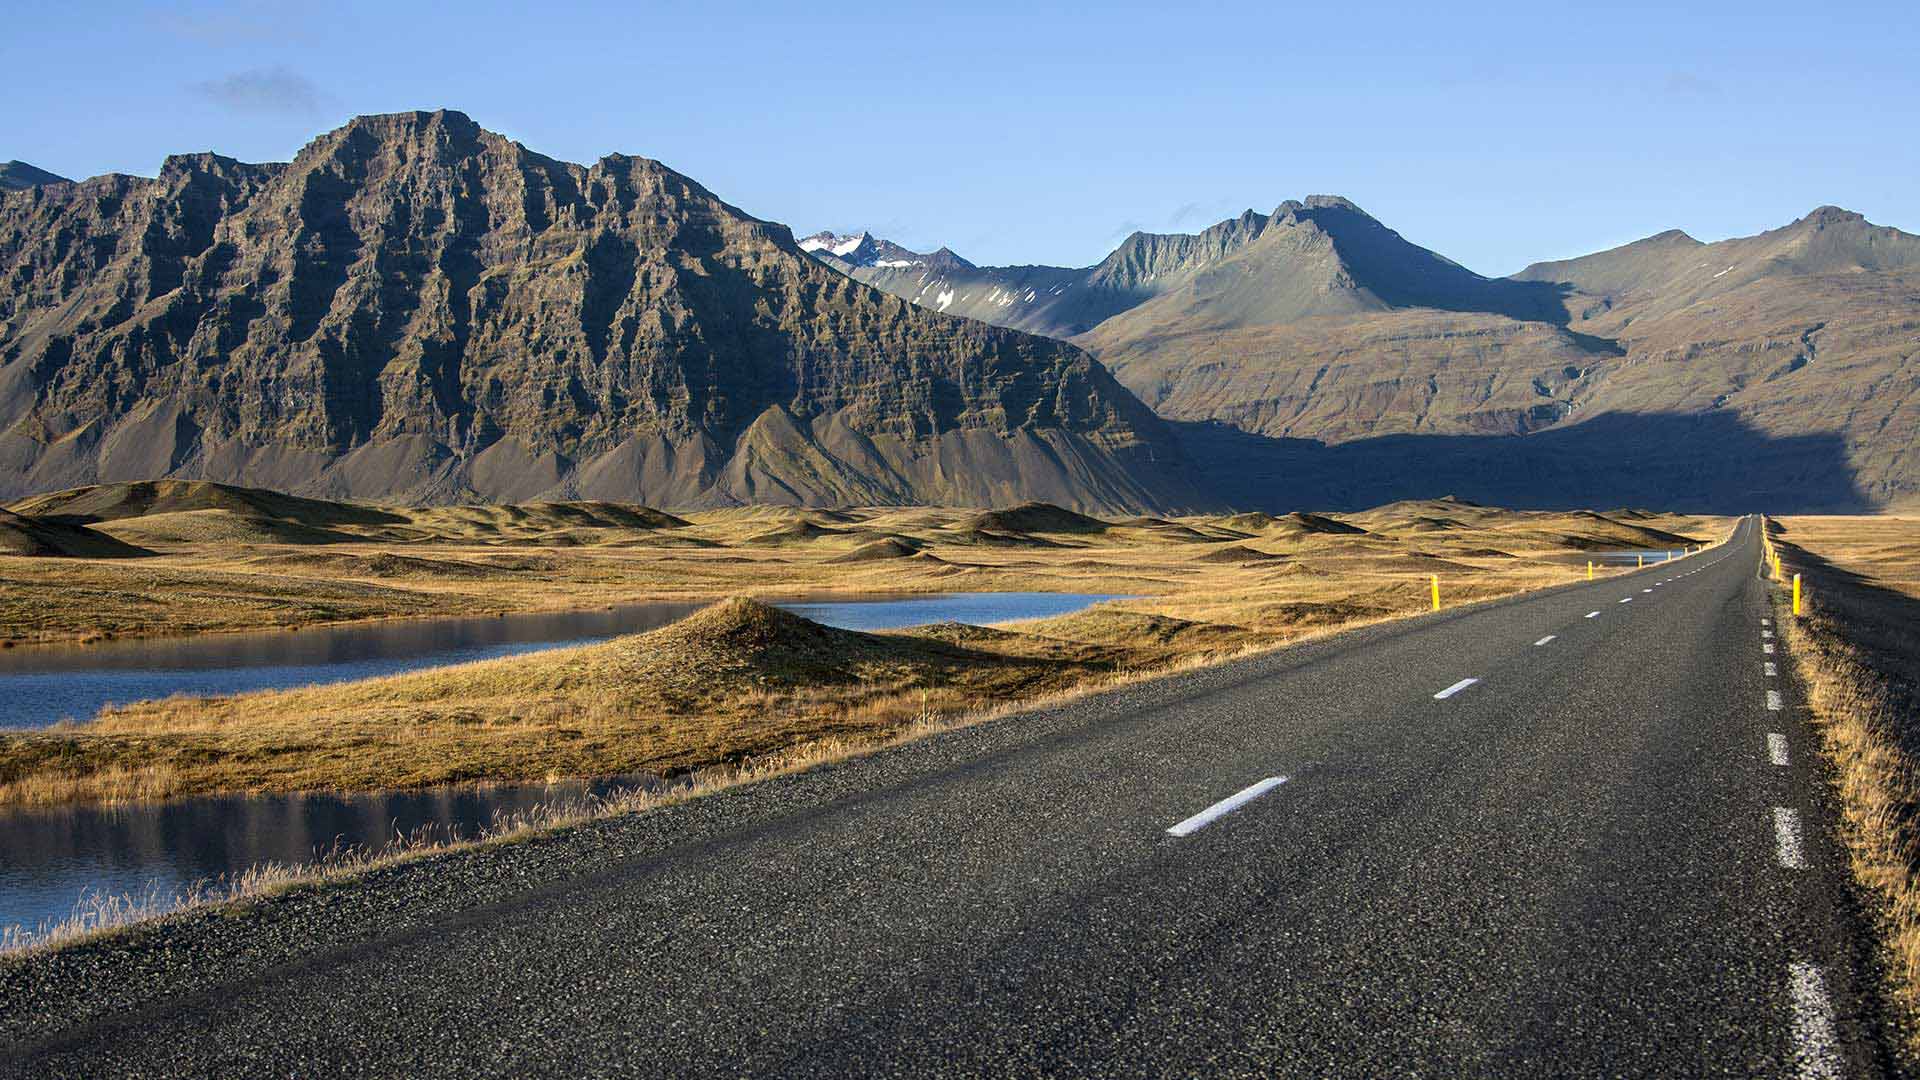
(417, 309)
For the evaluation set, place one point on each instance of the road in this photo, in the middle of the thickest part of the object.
(1565, 834)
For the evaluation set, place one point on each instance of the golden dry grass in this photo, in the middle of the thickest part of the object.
(1856, 648)
(741, 682)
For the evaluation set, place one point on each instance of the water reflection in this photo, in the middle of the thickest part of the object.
(43, 684)
(51, 858)
(979, 609)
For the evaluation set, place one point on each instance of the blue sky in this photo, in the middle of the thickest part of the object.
(1496, 134)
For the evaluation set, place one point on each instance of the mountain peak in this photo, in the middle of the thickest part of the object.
(1334, 202)
(833, 243)
(1832, 215)
(18, 176)
(412, 119)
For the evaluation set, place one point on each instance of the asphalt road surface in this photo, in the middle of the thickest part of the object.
(1577, 833)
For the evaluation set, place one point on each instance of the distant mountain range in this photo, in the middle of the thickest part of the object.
(417, 309)
(1345, 350)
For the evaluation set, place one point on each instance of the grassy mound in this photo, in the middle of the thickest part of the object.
(1034, 517)
(112, 502)
(887, 547)
(30, 536)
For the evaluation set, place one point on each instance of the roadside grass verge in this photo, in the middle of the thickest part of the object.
(1856, 649)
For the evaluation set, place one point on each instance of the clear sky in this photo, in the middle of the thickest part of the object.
(1496, 134)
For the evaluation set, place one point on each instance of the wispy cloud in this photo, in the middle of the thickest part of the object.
(263, 90)
(1686, 86)
(1184, 213)
(241, 26)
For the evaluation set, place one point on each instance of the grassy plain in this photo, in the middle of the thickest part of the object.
(736, 683)
(1856, 649)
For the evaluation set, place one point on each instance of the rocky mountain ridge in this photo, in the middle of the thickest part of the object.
(416, 309)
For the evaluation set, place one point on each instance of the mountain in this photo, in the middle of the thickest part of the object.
(1313, 356)
(18, 176)
(1051, 300)
(416, 309)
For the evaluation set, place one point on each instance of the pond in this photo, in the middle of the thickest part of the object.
(43, 684)
(50, 859)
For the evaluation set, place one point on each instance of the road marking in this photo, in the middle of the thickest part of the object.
(1773, 700)
(1777, 747)
(1786, 838)
(1454, 689)
(1646, 590)
(1769, 648)
(1546, 639)
(1626, 599)
(1766, 622)
(1593, 614)
(1226, 806)
(1815, 1046)
(1766, 633)
(1770, 671)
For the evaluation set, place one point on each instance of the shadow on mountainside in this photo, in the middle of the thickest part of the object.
(1708, 463)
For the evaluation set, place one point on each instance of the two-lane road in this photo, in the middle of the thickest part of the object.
(1573, 833)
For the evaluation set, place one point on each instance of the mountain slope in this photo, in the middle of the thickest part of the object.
(1796, 347)
(417, 309)
(18, 176)
(1779, 370)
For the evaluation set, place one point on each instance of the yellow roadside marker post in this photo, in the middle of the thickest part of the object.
(1639, 560)
(1589, 569)
(1796, 594)
(1436, 592)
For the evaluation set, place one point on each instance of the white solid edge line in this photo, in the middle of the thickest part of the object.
(1786, 838)
(1226, 806)
(1454, 689)
(1777, 747)
(1773, 701)
(1546, 639)
(1593, 615)
(1815, 1044)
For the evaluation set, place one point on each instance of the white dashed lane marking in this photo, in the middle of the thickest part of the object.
(1777, 747)
(1786, 838)
(1815, 1045)
(1773, 700)
(1771, 673)
(1454, 689)
(1546, 639)
(1226, 806)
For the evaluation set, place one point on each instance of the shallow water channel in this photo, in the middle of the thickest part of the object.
(51, 859)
